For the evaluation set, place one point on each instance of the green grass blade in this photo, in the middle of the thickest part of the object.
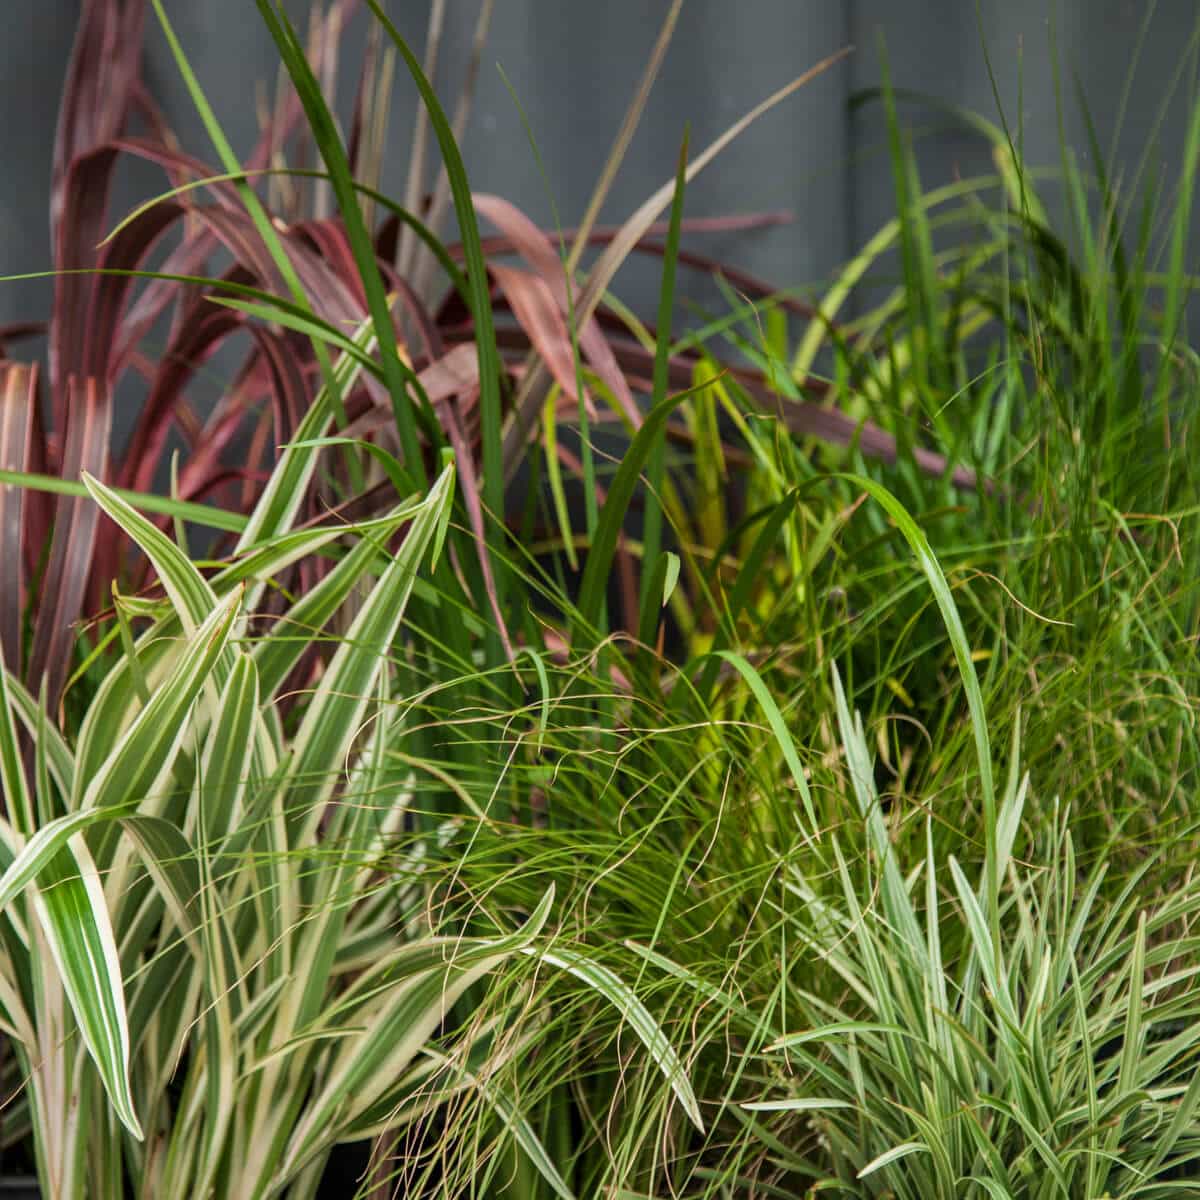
(258, 213)
(197, 514)
(747, 581)
(656, 463)
(916, 246)
(779, 729)
(1178, 282)
(298, 319)
(323, 130)
(273, 557)
(554, 478)
(600, 556)
(406, 218)
(279, 651)
(603, 981)
(422, 995)
(477, 278)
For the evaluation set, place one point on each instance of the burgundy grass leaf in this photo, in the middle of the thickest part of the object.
(204, 328)
(202, 325)
(354, 142)
(143, 104)
(75, 522)
(602, 235)
(529, 398)
(453, 310)
(742, 281)
(101, 77)
(189, 257)
(533, 305)
(802, 417)
(330, 291)
(535, 247)
(259, 452)
(456, 373)
(19, 331)
(289, 388)
(110, 293)
(18, 399)
(328, 238)
(39, 506)
(83, 196)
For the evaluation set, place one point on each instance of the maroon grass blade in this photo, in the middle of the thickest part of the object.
(18, 400)
(541, 320)
(101, 77)
(204, 327)
(535, 247)
(19, 331)
(75, 522)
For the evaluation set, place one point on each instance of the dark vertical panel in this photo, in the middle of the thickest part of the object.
(938, 47)
(33, 58)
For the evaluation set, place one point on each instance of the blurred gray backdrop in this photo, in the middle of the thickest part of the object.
(574, 64)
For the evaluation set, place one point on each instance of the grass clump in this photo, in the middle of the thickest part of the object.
(814, 815)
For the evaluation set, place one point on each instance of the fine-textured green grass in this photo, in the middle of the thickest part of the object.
(947, 987)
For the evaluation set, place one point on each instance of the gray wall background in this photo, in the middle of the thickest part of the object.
(574, 64)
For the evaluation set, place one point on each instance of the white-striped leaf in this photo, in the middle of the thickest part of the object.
(332, 718)
(186, 588)
(895, 1154)
(144, 754)
(167, 854)
(284, 492)
(279, 652)
(272, 557)
(227, 771)
(228, 768)
(418, 1003)
(18, 802)
(796, 1104)
(69, 902)
(24, 708)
